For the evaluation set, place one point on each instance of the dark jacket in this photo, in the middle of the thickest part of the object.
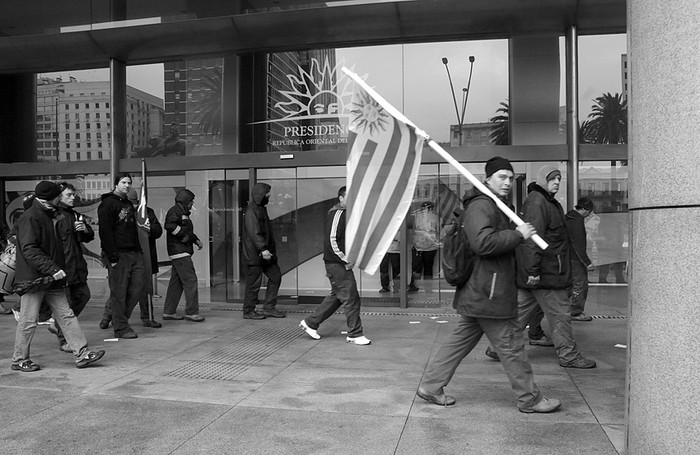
(577, 231)
(552, 265)
(490, 291)
(156, 232)
(334, 236)
(75, 265)
(118, 229)
(39, 252)
(257, 228)
(179, 228)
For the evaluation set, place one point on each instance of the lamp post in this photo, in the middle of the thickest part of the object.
(465, 94)
(56, 133)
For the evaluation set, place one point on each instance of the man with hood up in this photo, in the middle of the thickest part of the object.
(544, 276)
(121, 254)
(488, 301)
(260, 256)
(180, 238)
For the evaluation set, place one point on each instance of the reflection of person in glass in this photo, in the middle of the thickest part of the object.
(611, 243)
(488, 302)
(580, 262)
(391, 262)
(260, 255)
(426, 229)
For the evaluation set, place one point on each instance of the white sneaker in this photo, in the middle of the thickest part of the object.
(361, 340)
(309, 331)
(16, 313)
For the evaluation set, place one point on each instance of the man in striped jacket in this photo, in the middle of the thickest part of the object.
(343, 284)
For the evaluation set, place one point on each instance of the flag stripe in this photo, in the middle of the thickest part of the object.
(396, 197)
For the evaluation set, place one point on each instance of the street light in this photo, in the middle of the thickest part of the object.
(465, 94)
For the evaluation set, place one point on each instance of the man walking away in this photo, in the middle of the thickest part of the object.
(41, 275)
(487, 302)
(339, 273)
(580, 262)
(180, 237)
(260, 256)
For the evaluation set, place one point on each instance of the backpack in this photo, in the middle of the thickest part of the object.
(458, 259)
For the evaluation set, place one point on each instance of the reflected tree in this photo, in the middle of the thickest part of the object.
(209, 106)
(607, 122)
(499, 131)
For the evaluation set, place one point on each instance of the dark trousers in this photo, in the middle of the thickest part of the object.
(422, 263)
(579, 288)
(254, 281)
(78, 295)
(126, 280)
(183, 278)
(343, 292)
(390, 260)
(146, 305)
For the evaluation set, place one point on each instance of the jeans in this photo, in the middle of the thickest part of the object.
(579, 290)
(343, 292)
(146, 305)
(126, 281)
(254, 281)
(555, 305)
(505, 336)
(66, 320)
(78, 295)
(182, 278)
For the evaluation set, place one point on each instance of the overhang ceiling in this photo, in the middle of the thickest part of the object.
(31, 42)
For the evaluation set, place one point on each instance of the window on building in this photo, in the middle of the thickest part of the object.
(77, 155)
(89, 155)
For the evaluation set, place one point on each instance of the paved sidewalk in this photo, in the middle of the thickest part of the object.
(235, 386)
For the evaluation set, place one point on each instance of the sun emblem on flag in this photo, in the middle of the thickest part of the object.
(367, 114)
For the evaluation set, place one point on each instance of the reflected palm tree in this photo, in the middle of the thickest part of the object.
(607, 122)
(209, 106)
(499, 131)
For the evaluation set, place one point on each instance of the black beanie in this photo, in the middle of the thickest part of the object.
(497, 163)
(47, 190)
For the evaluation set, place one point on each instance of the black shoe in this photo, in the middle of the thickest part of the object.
(26, 366)
(90, 357)
(442, 399)
(413, 289)
(384, 289)
(274, 313)
(104, 323)
(492, 354)
(152, 324)
(128, 334)
(253, 315)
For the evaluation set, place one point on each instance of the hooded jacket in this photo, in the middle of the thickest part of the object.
(490, 291)
(75, 264)
(334, 238)
(577, 230)
(118, 230)
(257, 228)
(552, 265)
(179, 228)
(39, 252)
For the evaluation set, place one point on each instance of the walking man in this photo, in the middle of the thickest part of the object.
(544, 276)
(339, 273)
(41, 275)
(260, 256)
(122, 255)
(487, 302)
(180, 239)
(580, 262)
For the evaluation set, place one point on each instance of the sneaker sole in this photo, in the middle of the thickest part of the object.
(90, 361)
(317, 337)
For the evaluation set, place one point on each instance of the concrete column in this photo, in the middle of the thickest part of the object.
(117, 86)
(664, 299)
(18, 118)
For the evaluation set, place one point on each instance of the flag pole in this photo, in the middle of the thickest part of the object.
(443, 153)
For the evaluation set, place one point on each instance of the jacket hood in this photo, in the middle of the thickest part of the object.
(111, 194)
(184, 196)
(259, 192)
(573, 215)
(471, 194)
(335, 207)
(535, 187)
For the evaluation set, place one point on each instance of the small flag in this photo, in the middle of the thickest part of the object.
(449, 204)
(383, 164)
(144, 227)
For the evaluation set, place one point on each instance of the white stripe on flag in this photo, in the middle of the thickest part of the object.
(383, 164)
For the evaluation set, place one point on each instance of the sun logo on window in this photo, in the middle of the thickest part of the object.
(367, 114)
(322, 91)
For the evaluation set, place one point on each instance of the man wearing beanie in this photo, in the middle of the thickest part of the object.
(544, 276)
(580, 262)
(121, 254)
(180, 237)
(40, 275)
(488, 301)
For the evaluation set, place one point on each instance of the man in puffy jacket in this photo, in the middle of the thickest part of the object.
(260, 256)
(488, 301)
(121, 254)
(544, 276)
(180, 239)
(41, 275)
